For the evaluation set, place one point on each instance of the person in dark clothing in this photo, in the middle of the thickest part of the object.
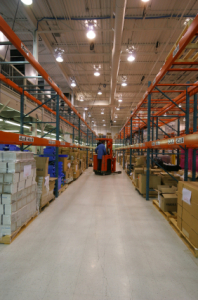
(100, 151)
(98, 143)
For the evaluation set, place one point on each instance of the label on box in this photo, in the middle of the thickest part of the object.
(47, 183)
(27, 171)
(69, 165)
(186, 195)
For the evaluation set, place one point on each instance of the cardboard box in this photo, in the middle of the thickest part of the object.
(154, 181)
(76, 174)
(11, 178)
(10, 188)
(190, 233)
(179, 223)
(21, 185)
(191, 186)
(141, 161)
(42, 166)
(165, 189)
(52, 181)
(190, 220)
(168, 202)
(168, 180)
(138, 171)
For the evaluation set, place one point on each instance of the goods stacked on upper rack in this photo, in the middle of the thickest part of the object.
(18, 189)
(46, 184)
(51, 152)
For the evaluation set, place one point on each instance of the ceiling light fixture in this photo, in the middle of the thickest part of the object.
(99, 91)
(59, 54)
(1, 120)
(131, 57)
(73, 83)
(97, 73)
(90, 25)
(124, 81)
(117, 108)
(81, 99)
(124, 84)
(116, 116)
(102, 112)
(86, 108)
(27, 2)
(180, 105)
(120, 100)
(104, 124)
(16, 124)
(145, 1)
(114, 121)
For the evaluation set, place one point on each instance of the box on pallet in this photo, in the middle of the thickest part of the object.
(187, 219)
(154, 181)
(45, 192)
(18, 194)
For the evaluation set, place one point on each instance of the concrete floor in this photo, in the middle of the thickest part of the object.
(100, 240)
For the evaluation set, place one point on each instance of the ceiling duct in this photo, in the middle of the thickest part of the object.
(117, 44)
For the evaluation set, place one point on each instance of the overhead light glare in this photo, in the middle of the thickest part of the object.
(120, 100)
(117, 108)
(59, 58)
(73, 84)
(104, 124)
(145, 1)
(102, 112)
(131, 57)
(86, 108)
(124, 84)
(96, 73)
(114, 121)
(91, 34)
(99, 91)
(180, 105)
(27, 2)
(1, 120)
(116, 116)
(81, 99)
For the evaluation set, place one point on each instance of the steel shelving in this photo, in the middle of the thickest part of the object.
(30, 91)
(149, 115)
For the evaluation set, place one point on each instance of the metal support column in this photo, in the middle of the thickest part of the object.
(79, 131)
(138, 139)
(57, 138)
(123, 150)
(87, 145)
(148, 139)
(178, 133)
(142, 139)
(73, 136)
(156, 151)
(120, 151)
(152, 139)
(194, 130)
(22, 116)
(130, 149)
(187, 132)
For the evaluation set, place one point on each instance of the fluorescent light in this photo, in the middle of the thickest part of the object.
(12, 123)
(86, 108)
(1, 120)
(10, 130)
(91, 34)
(16, 124)
(27, 2)
(120, 100)
(96, 73)
(99, 91)
(104, 124)
(81, 99)
(73, 84)
(52, 133)
(102, 112)
(180, 105)
(145, 1)
(124, 84)
(103, 120)
(59, 58)
(117, 108)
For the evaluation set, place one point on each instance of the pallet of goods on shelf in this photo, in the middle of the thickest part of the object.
(18, 190)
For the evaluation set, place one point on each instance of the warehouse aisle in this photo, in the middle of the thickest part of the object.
(98, 241)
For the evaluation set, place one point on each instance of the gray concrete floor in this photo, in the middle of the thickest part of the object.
(100, 240)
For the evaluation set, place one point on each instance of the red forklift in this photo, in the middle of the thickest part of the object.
(108, 165)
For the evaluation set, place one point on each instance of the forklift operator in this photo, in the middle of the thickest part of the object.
(100, 151)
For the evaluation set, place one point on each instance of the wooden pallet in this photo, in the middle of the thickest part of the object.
(47, 204)
(187, 242)
(167, 215)
(144, 195)
(8, 239)
(62, 189)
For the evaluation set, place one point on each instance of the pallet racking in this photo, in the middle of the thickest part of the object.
(181, 59)
(32, 93)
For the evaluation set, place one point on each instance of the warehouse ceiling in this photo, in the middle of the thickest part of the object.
(149, 29)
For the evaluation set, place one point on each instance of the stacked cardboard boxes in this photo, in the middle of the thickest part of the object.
(187, 210)
(46, 184)
(18, 190)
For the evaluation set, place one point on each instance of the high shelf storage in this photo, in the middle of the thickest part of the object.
(33, 92)
(162, 104)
